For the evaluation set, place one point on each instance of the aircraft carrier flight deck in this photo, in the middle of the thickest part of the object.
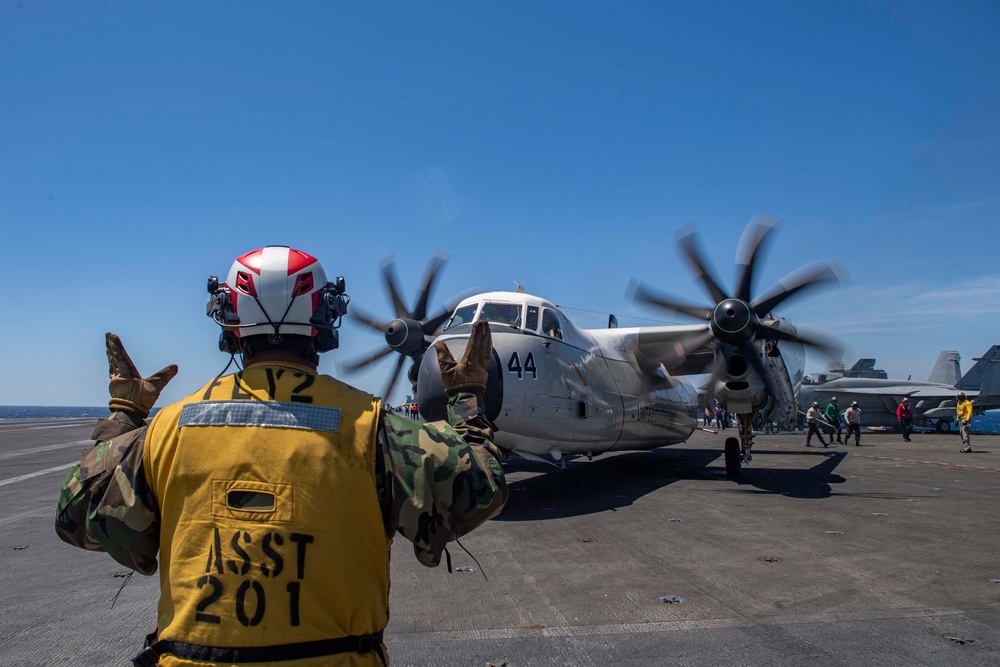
(884, 554)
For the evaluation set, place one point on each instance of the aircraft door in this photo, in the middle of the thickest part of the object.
(539, 371)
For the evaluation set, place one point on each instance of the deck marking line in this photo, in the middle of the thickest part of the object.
(932, 463)
(21, 478)
(677, 626)
(36, 428)
(82, 444)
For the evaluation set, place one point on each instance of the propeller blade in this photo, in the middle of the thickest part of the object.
(688, 242)
(643, 294)
(390, 281)
(391, 384)
(431, 325)
(806, 277)
(369, 321)
(752, 354)
(754, 239)
(354, 366)
(424, 293)
(684, 348)
(823, 343)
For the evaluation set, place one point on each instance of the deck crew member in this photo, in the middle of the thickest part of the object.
(832, 414)
(904, 413)
(852, 416)
(814, 418)
(964, 413)
(271, 495)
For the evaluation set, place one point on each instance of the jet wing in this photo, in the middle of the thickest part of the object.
(899, 390)
(670, 345)
(895, 390)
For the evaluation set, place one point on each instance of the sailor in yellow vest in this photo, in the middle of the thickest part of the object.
(964, 414)
(271, 495)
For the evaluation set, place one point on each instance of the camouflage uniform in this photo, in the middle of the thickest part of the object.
(436, 482)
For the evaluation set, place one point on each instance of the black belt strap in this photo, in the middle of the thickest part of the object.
(241, 654)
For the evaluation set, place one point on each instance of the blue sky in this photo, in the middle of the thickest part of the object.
(144, 145)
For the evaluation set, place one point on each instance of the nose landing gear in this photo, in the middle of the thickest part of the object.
(738, 451)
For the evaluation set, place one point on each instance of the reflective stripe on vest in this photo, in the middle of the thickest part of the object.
(271, 531)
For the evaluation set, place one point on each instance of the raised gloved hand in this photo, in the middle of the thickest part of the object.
(469, 374)
(129, 390)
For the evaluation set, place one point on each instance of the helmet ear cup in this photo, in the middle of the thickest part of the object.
(220, 309)
(331, 306)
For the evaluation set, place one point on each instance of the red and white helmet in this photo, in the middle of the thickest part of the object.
(275, 290)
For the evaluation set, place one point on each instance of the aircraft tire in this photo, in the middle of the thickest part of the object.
(943, 426)
(733, 462)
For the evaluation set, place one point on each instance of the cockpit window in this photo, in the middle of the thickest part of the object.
(531, 319)
(463, 315)
(550, 324)
(502, 313)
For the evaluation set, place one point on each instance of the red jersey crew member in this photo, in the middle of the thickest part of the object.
(271, 495)
(904, 413)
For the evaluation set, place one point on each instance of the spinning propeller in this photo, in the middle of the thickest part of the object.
(734, 325)
(411, 332)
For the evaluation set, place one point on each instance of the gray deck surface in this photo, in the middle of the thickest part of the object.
(580, 557)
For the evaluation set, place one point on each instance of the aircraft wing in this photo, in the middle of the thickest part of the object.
(896, 390)
(666, 345)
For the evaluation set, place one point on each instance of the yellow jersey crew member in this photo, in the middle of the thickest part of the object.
(271, 495)
(964, 414)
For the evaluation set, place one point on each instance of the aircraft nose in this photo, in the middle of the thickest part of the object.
(432, 399)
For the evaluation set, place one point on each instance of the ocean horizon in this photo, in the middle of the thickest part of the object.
(985, 423)
(51, 411)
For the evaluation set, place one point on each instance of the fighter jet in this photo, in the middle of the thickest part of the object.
(933, 401)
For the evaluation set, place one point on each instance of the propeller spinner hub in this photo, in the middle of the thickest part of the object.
(734, 321)
(405, 335)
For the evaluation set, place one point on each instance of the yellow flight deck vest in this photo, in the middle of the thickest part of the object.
(271, 537)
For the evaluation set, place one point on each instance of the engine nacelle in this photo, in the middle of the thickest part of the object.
(739, 389)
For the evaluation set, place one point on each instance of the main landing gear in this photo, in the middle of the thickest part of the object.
(738, 451)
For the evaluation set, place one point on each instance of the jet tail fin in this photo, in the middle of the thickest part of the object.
(984, 377)
(946, 369)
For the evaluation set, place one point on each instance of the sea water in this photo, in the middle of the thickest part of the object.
(50, 412)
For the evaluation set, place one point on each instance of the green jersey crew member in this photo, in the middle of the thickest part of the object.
(832, 414)
(272, 494)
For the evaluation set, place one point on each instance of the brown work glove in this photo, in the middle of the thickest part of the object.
(129, 390)
(469, 374)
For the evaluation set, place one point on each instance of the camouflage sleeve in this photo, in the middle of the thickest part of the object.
(106, 505)
(443, 479)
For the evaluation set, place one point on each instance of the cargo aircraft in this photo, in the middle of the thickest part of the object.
(557, 390)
